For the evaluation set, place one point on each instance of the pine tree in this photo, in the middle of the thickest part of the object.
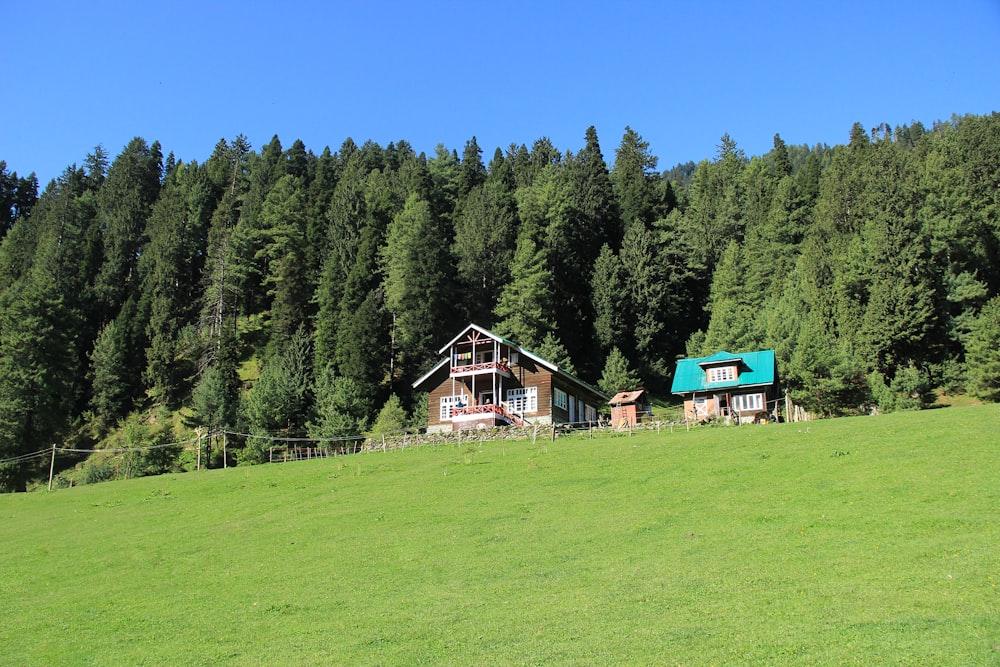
(524, 310)
(282, 226)
(282, 398)
(124, 202)
(171, 269)
(17, 197)
(982, 354)
(342, 408)
(471, 173)
(779, 158)
(635, 183)
(419, 282)
(42, 329)
(618, 374)
(552, 349)
(485, 233)
(391, 418)
(610, 295)
(576, 240)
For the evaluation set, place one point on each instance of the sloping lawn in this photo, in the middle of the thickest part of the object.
(858, 541)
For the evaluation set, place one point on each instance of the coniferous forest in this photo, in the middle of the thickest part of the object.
(274, 290)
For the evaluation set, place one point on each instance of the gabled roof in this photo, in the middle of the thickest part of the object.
(489, 334)
(755, 369)
(627, 397)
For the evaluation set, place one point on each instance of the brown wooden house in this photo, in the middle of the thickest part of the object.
(486, 380)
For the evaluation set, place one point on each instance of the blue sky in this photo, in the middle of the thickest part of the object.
(188, 73)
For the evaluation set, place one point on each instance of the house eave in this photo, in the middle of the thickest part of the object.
(728, 387)
(429, 373)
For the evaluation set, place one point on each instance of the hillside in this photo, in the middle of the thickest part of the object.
(865, 540)
(282, 290)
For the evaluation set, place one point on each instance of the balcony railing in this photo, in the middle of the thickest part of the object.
(486, 367)
(488, 409)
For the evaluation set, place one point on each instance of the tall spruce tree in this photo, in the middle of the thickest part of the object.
(419, 283)
(124, 203)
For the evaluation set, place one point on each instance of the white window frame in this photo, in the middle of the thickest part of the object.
(589, 413)
(748, 402)
(448, 405)
(522, 400)
(721, 374)
(560, 398)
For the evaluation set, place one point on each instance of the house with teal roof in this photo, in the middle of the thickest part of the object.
(742, 386)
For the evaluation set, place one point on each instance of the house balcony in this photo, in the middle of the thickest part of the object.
(483, 368)
(488, 414)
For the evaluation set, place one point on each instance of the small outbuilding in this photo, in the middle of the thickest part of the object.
(628, 408)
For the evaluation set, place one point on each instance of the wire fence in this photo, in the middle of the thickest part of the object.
(284, 448)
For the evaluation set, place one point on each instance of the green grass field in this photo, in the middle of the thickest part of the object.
(862, 541)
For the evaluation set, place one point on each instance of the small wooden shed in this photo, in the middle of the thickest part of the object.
(628, 407)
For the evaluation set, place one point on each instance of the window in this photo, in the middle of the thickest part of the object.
(559, 399)
(484, 357)
(522, 400)
(722, 374)
(589, 413)
(748, 402)
(513, 357)
(448, 404)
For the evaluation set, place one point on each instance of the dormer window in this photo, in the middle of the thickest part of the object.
(721, 374)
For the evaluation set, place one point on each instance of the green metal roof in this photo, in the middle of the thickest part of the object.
(755, 368)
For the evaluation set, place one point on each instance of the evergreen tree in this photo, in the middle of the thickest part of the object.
(17, 197)
(124, 202)
(634, 180)
(419, 280)
(391, 418)
(42, 326)
(575, 240)
(715, 214)
(618, 374)
(215, 396)
(609, 290)
(116, 364)
(524, 310)
(342, 409)
(732, 318)
(471, 173)
(484, 246)
(780, 162)
(983, 353)
(552, 349)
(171, 270)
(282, 398)
(282, 224)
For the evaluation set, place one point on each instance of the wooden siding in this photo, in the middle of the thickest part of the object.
(526, 373)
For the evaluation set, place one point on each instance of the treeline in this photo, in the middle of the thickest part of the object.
(279, 291)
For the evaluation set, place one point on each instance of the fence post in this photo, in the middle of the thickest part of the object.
(52, 465)
(198, 465)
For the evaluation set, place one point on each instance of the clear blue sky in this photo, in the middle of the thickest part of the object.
(188, 73)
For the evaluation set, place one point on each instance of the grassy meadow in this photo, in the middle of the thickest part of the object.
(861, 541)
